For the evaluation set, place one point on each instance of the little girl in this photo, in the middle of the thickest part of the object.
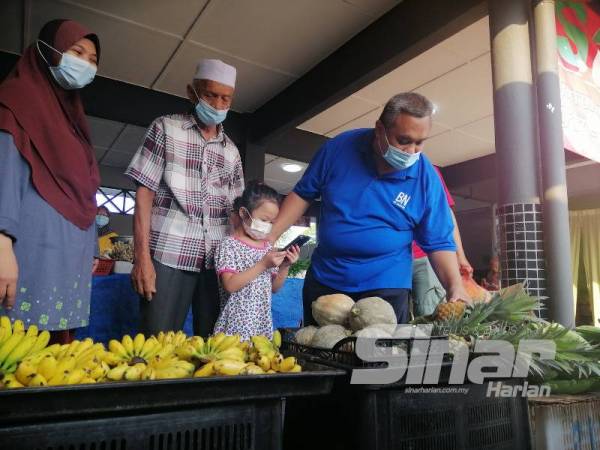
(249, 269)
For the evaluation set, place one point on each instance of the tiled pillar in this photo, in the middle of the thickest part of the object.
(522, 246)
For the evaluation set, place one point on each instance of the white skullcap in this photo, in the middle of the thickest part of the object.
(215, 70)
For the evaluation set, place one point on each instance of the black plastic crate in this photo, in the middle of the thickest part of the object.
(243, 426)
(343, 355)
(240, 412)
(22, 406)
(361, 418)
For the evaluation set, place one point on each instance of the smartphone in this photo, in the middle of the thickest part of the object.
(299, 241)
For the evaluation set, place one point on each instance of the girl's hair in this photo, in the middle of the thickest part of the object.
(255, 194)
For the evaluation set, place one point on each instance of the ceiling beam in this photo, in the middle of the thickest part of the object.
(398, 36)
(484, 168)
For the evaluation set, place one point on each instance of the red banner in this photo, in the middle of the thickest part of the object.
(578, 40)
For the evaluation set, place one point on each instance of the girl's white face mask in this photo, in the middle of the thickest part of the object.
(257, 229)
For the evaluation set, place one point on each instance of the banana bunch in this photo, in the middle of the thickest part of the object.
(175, 338)
(138, 350)
(265, 354)
(158, 363)
(80, 362)
(16, 343)
(262, 358)
(217, 347)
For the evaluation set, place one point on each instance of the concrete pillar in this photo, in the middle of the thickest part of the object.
(554, 183)
(519, 208)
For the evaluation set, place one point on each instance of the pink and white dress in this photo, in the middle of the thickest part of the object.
(246, 312)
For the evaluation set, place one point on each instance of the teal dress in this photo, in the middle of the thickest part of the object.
(54, 256)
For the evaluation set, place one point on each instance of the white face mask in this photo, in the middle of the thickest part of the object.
(258, 229)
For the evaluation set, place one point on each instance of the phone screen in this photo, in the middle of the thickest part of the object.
(299, 241)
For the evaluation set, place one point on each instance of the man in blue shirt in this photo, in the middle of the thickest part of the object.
(377, 192)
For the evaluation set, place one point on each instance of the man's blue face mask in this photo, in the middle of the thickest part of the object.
(207, 114)
(72, 72)
(398, 158)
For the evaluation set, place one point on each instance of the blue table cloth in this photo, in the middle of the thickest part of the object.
(115, 312)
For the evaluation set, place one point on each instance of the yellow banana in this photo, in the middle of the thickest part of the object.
(19, 352)
(5, 329)
(227, 342)
(87, 380)
(53, 349)
(99, 371)
(116, 373)
(11, 382)
(38, 380)
(229, 367)
(287, 364)
(74, 377)
(276, 339)
(118, 349)
(252, 369)
(276, 362)
(32, 330)
(150, 347)
(149, 373)
(112, 359)
(47, 367)
(296, 368)
(66, 364)
(138, 344)
(67, 349)
(11, 343)
(18, 326)
(264, 363)
(232, 353)
(270, 371)
(185, 352)
(41, 342)
(206, 370)
(133, 373)
(128, 344)
(82, 347)
(25, 372)
(171, 372)
(198, 343)
(214, 341)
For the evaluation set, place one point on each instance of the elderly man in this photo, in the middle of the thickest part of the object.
(377, 192)
(188, 173)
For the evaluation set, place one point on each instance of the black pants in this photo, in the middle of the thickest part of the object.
(176, 290)
(312, 290)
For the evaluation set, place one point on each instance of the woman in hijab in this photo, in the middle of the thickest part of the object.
(48, 182)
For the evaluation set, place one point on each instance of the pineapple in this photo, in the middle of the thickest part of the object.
(447, 311)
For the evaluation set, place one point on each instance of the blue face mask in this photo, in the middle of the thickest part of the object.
(102, 221)
(399, 159)
(207, 114)
(72, 72)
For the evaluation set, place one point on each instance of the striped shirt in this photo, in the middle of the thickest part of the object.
(195, 182)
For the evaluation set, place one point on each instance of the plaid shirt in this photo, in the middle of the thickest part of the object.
(195, 182)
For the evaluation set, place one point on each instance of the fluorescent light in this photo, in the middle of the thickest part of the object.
(290, 167)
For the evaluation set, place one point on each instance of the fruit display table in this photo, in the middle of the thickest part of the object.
(115, 312)
(201, 413)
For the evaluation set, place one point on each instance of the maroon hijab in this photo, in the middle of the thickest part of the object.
(49, 126)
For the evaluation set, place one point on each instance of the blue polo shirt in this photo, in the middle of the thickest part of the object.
(368, 221)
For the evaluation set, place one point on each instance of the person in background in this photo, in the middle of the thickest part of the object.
(378, 193)
(188, 172)
(105, 233)
(427, 291)
(48, 182)
(491, 282)
(248, 268)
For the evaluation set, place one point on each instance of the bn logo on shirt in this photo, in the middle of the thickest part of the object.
(402, 200)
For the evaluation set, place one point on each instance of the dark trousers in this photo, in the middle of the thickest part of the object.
(176, 290)
(312, 290)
